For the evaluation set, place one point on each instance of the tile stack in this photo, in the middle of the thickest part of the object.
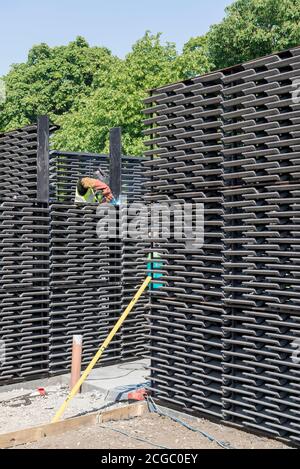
(24, 295)
(82, 264)
(85, 285)
(18, 171)
(186, 314)
(57, 277)
(225, 326)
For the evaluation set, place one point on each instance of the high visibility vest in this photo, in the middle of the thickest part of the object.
(89, 198)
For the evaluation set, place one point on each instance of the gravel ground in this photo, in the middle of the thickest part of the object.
(26, 408)
(170, 435)
(22, 408)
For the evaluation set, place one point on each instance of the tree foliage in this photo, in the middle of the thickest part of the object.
(118, 100)
(51, 81)
(254, 28)
(87, 90)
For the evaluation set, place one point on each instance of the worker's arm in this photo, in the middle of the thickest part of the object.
(96, 185)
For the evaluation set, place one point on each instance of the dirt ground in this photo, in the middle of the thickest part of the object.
(159, 432)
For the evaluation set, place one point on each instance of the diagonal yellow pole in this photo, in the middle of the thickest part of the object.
(103, 347)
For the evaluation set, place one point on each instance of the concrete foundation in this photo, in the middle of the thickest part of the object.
(110, 379)
(115, 380)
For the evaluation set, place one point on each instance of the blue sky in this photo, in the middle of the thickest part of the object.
(115, 24)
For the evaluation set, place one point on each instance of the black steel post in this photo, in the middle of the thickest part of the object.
(115, 153)
(43, 159)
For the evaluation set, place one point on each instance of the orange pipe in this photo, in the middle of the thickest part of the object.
(76, 360)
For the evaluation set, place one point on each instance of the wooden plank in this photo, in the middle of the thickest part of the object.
(124, 413)
(29, 435)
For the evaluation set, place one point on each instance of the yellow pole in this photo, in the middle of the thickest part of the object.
(103, 347)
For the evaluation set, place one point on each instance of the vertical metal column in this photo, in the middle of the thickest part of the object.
(43, 159)
(115, 182)
(115, 154)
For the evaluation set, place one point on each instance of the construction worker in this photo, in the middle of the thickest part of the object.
(93, 190)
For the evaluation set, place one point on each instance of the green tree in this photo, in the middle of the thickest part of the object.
(52, 81)
(254, 28)
(118, 99)
(194, 59)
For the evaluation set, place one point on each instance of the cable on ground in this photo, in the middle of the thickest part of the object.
(154, 408)
(106, 427)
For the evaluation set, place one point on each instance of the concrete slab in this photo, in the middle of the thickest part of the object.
(112, 381)
(41, 382)
(116, 379)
